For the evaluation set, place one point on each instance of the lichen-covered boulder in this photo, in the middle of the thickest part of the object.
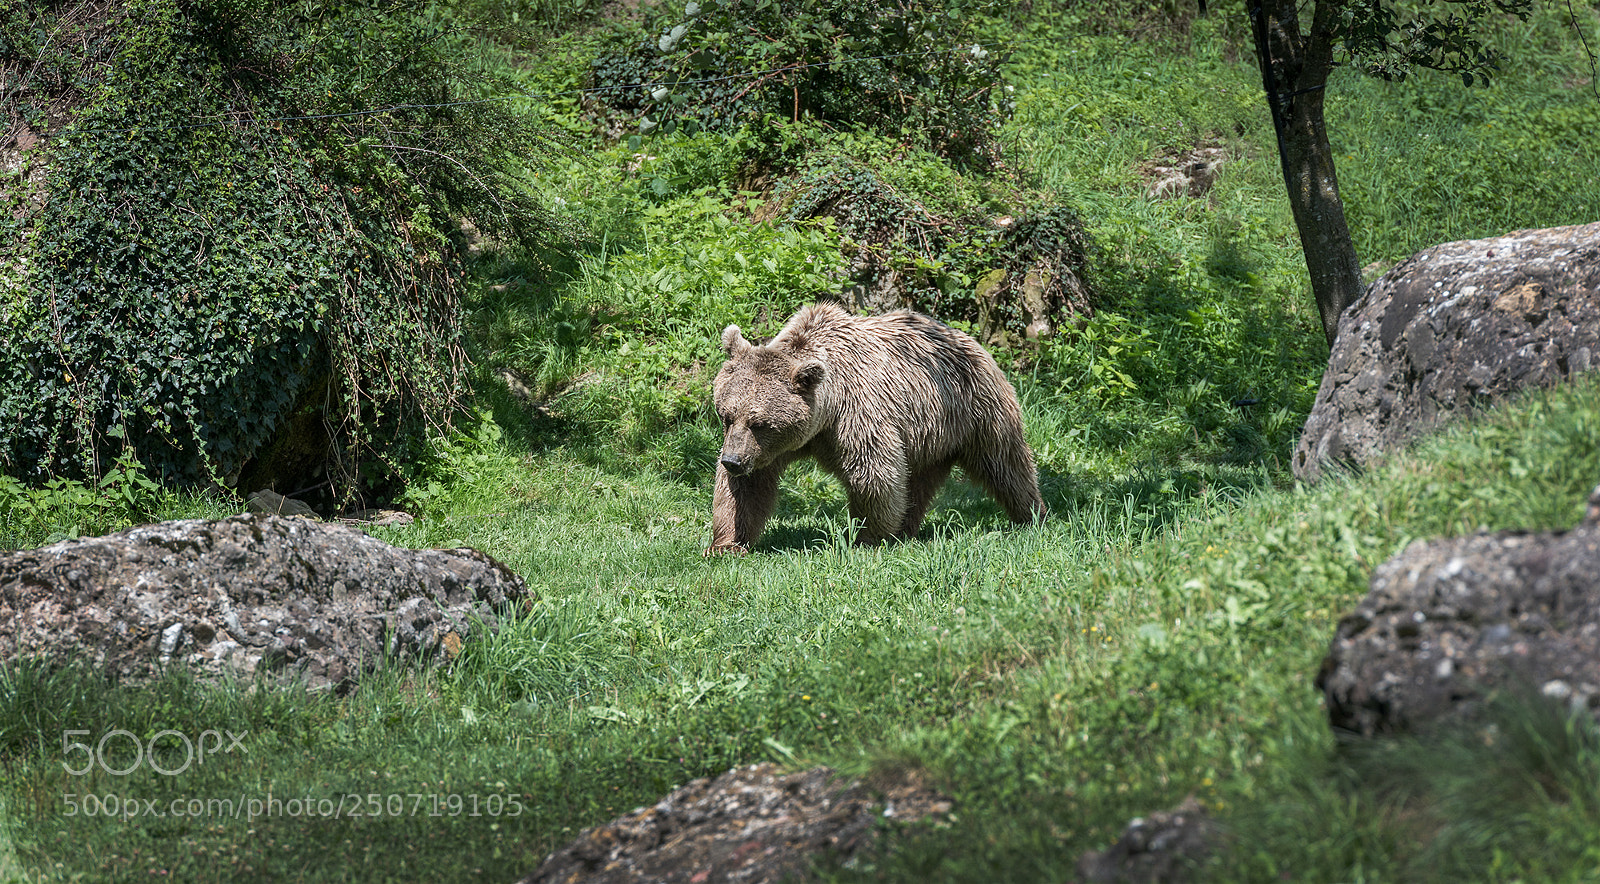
(1164, 846)
(756, 824)
(1449, 623)
(247, 594)
(1455, 326)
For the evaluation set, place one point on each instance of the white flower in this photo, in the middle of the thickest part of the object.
(692, 10)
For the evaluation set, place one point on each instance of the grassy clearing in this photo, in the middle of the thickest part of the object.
(1057, 681)
(1156, 638)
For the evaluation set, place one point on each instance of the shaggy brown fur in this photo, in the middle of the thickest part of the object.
(889, 404)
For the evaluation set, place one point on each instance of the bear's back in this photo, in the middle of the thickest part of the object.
(932, 384)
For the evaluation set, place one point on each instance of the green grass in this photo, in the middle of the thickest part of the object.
(1198, 680)
(1156, 638)
(1056, 681)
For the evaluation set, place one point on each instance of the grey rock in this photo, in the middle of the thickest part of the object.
(1161, 847)
(252, 593)
(379, 517)
(1450, 623)
(753, 824)
(269, 501)
(1457, 326)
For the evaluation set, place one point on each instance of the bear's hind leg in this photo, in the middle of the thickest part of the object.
(1006, 470)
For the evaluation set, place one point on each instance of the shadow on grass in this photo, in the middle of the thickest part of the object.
(796, 535)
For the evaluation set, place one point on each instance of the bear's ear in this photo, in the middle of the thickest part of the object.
(807, 375)
(732, 341)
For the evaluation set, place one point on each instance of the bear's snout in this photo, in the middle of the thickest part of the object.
(735, 465)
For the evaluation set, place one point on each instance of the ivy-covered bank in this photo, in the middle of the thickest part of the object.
(226, 250)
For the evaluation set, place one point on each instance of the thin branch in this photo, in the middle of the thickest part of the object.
(1594, 63)
(504, 213)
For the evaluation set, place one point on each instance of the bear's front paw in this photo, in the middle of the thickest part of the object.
(726, 549)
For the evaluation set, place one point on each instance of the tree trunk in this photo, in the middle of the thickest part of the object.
(1294, 70)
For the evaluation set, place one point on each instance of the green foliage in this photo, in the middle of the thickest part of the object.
(700, 268)
(200, 267)
(510, 17)
(1199, 307)
(621, 342)
(1153, 21)
(680, 164)
(62, 508)
(1387, 40)
(1096, 110)
(658, 311)
(945, 243)
(917, 71)
(1049, 249)
(888, 227)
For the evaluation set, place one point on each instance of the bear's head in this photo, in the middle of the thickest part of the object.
(767, 399)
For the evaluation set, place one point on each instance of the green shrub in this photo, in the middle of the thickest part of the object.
(918, 71)
(240, 216)
(62, 508)
(956, 246)
(657, 311)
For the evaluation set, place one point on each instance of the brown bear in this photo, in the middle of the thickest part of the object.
(888, 404)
